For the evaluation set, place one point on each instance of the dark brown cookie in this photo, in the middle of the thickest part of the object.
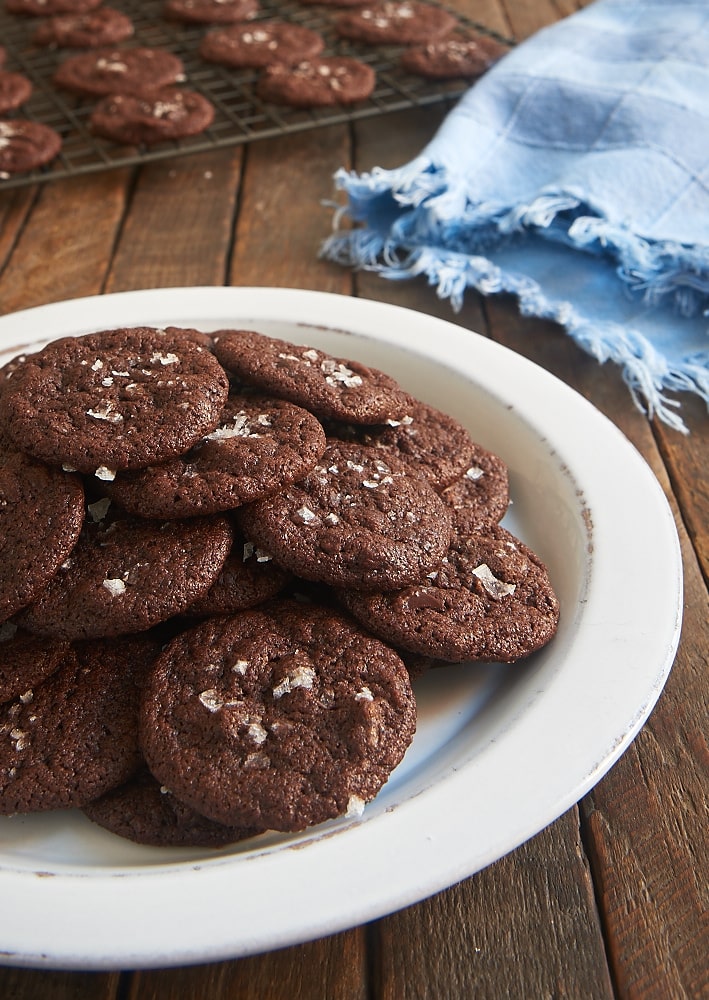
(317, 82)
(113, 400)
(395, 22)
(171, 113)
(126, 574)
(90, 30)
(329, 387)
(144, 811)
(45, 8)
(453, 58)
(26, 145)
(261, 445)
(356, 520)
(210, 11)
(75, 736)
(41, 514)
(26, 660)
(432, 443)
(490, 599)
(481, 495)
(248, 578)
(278, 718)
(15, 89)
(260, 44)
(101, 72)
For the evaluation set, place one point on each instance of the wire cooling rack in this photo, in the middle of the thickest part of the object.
(240, 117)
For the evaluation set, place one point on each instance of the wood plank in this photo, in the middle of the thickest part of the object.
(491, 936)
(528, 16)
(332, 968)
(282, 221)
(179, 228)
(28, 984)
(14, 208)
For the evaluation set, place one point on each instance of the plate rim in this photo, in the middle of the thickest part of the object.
(428, 842)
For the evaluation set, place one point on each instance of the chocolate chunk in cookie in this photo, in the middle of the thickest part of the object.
(126, 574)
(101, 72)
(75, 736)
(260, 44)
(15, 90)
(278, 718)
(89, 30)
(357, 520)
(113, 400)
(329, 387)
(171, 113)
(41, 514)
(321, 81)
(210, 11)
(490, 599)
(26, 660)
(395, 22)
(26, 145)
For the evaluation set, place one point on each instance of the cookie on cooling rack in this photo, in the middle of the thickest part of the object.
(260, 44)
(100, 72)
(45, 8)
(15, 90)
(171, 113)
(210, 11)
(395, 22)
(318, 82)
(26, 145)
(90, 30)
(453, 58)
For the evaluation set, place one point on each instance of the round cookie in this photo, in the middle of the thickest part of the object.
(26, 145)
(210, 11)
(481, 495)
(260, 44)
(490, 599)
(89, 30)
(15, 89)
(170, 113)
(354, 521)
(126, 575)
(260, 445)
(41, 514)
(101, 72)
(278, 718)
(432, 443)
(147, 813)
(45, 8)
(249, 577)
(113, 400)
(26, 660)
(75, 736)
(317, 82)
(395, 22)
(453, 58)
(331, 388)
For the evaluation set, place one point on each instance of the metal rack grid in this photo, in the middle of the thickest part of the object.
(240, 117)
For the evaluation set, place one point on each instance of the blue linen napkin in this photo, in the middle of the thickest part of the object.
(574, 174)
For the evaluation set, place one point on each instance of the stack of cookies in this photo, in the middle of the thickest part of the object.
(224, 557)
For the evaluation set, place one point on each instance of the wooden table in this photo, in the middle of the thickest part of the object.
(611, 899)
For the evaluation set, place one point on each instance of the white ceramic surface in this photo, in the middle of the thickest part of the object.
(500, 752)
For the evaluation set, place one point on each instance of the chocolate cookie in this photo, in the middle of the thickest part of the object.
(356, 520)
(113, 400)
(317, 82)
(144, 811)
(481, 495)
(329, 387)
(15, 89)
(210, 11)
(75, 736)
(26, 145)
(261, 445)
(41, 514)
(45, 8)
(260, 44)
(249, 577)
(101, 72)
(432, 443)
(90, 30)
(395, 22)
(490, 599)
(26, 660)
(453, 58)
(278, 718)
(126, 574)
(170, 113)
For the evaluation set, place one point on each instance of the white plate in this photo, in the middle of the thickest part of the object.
(500, 752)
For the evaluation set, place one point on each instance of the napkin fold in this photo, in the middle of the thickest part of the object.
(574, 174)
